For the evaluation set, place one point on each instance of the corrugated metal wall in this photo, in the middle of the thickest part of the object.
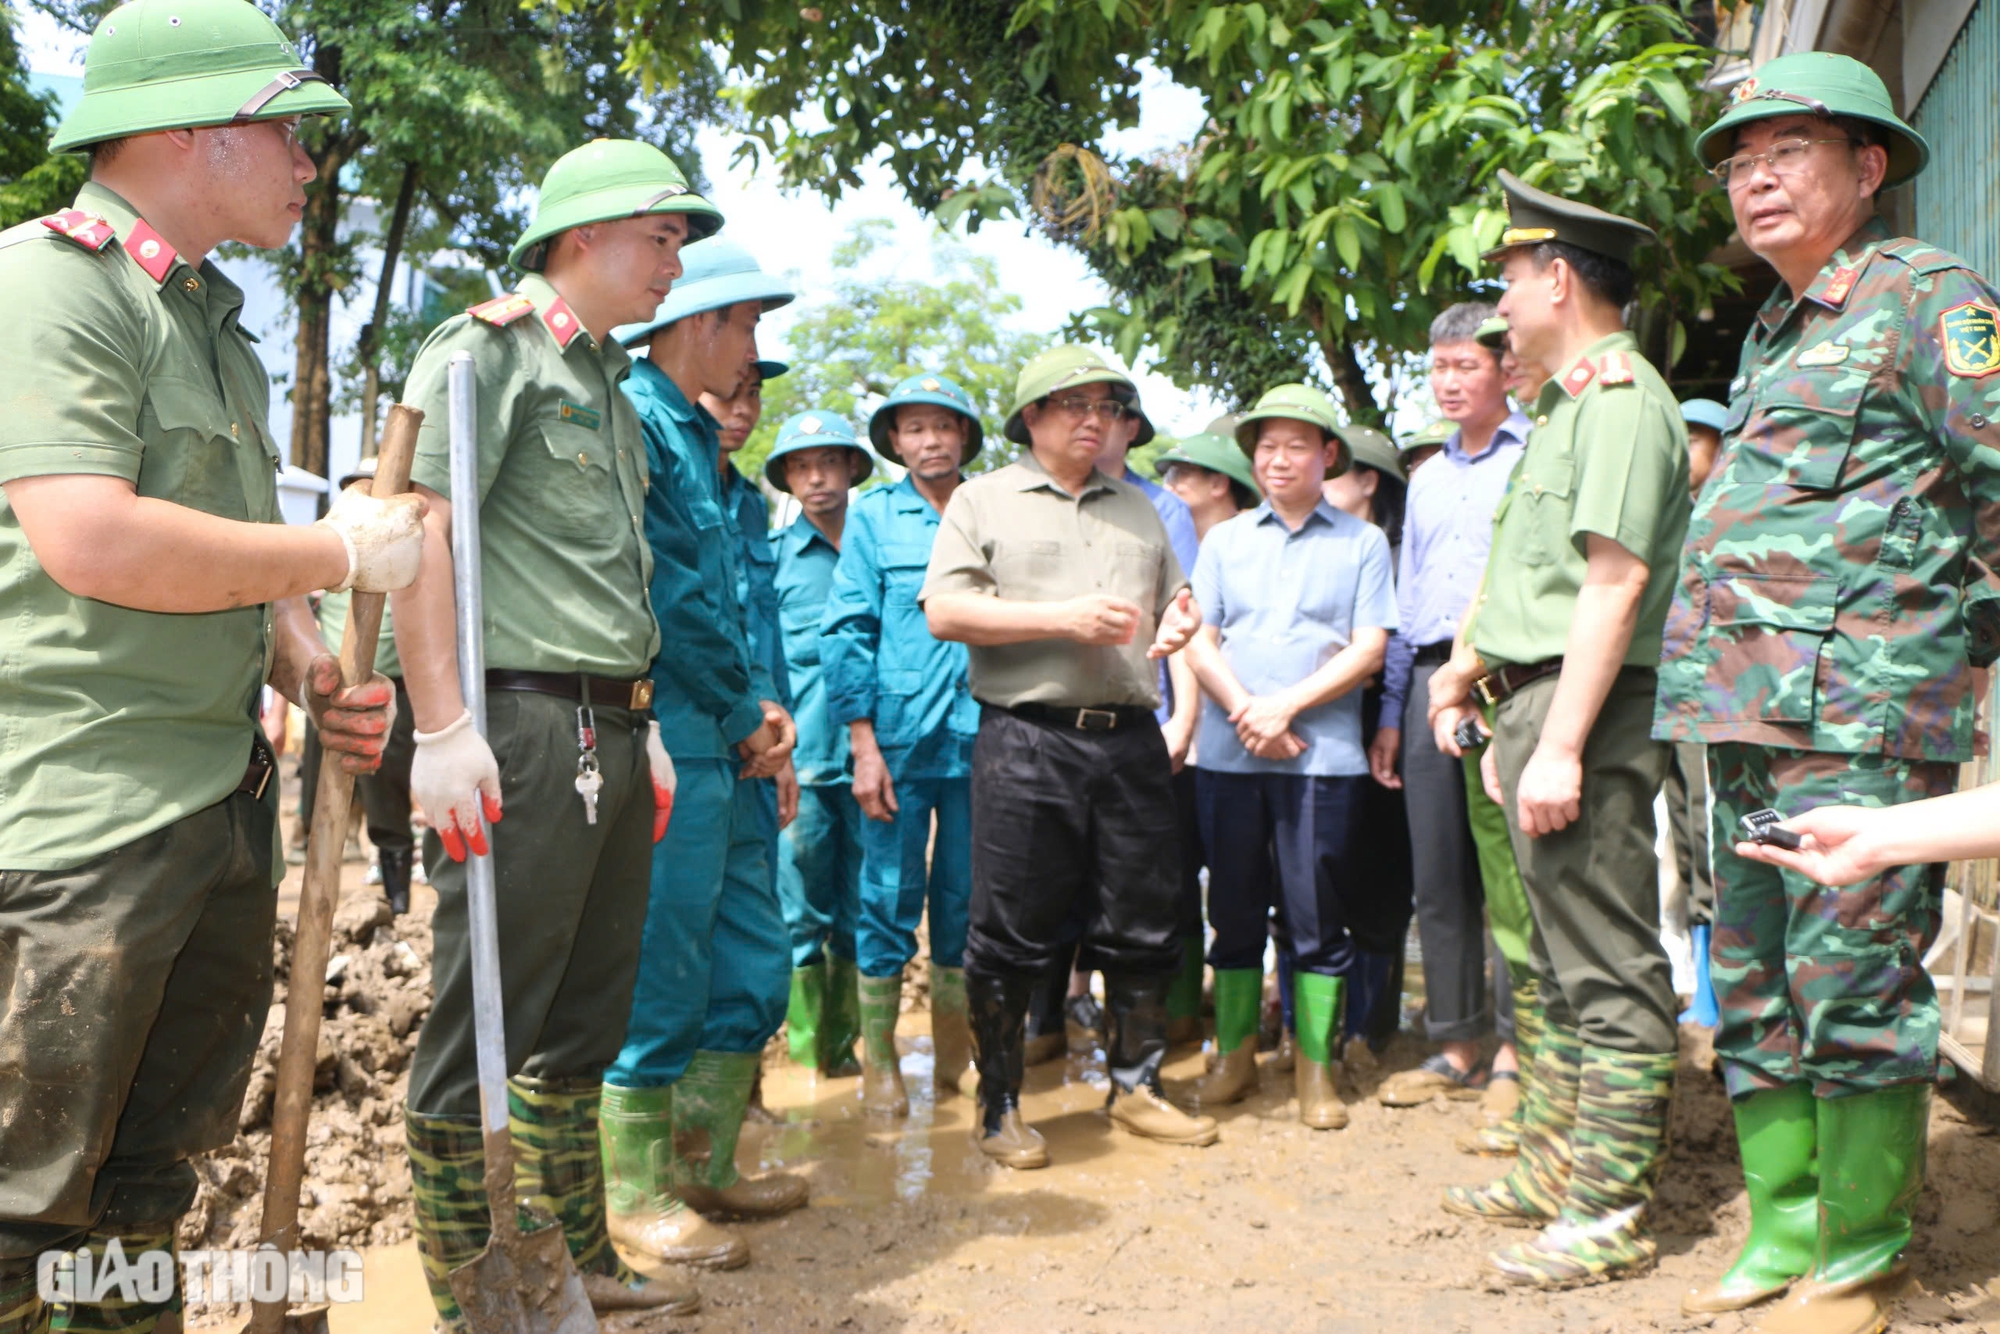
(1958, 197)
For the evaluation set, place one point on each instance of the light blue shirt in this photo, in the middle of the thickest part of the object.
(1284, 603)
(1179, 522)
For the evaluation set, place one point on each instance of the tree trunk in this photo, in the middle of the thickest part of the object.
(312, 380)
(1349, 380)
(392, 249)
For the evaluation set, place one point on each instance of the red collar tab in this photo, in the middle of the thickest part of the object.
(502, 310)
(86, 229)
(562, 322)
(1579, 377)
(1838, 285)
(1614, 368)
(149, 251)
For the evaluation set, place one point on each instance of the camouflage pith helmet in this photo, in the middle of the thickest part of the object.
(1369, 447)
(1216, 453)
(813, 429)
(1299, 402)
(1070, 367)
(938, 391)
(715, 274)
(181, 64)
(602, 181)
(1817, 83)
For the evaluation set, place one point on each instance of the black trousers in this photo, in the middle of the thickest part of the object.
(384, 794)
(1075, 835)
(1290, 833)
(1450, 897)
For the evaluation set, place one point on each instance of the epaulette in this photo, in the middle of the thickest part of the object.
(502, 310)
(86, 229)
(1614, 368)
(1921, 256)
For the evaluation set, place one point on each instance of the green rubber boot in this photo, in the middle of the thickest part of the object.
(1239, 1000)
(1316, 1008)
(802, 1016)
(1531, 1194)
(448, 1199)
(1184, 996)
(1616, 1148)
(21, 1309)
(1775, 1130)
(1504, 1140)
(840, 1021)
(882, 1092)
(1871, 1169)
(114, 1313)
(636, 1130)
(709, 1102)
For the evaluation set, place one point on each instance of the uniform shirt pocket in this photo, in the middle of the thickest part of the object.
(1770, 632)
(1034, 562)
(799, 621)
(1546, 491)
(1802, 428)
(572, 483)
(193, 457)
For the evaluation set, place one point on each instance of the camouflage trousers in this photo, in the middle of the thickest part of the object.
(1819, 985)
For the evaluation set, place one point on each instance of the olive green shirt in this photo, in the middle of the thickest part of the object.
(1607, 455)
(122, 361)
(562, 485)
(333, 610)
(1014, 533)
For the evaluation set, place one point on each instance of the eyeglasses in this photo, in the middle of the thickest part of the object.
(1105, 409)
(1787, 157)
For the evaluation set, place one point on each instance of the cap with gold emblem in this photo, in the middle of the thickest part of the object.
(604, 180)
(936, 390)
(1535, 216)
(1433, 436)
(814, 429)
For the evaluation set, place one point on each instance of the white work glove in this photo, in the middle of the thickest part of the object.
(384, 539)
(452, 764)
(664, 780)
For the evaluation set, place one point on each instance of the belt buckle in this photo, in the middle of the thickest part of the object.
(642, 694)
(1484, 689)
(1083, 723)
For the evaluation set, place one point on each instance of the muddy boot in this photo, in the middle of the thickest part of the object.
(803, 1014)
(1135, 1044)
(1285, 1058)
(1776, 1132)
(448, 1201)
(636, 1128)
(113, 1250)
(1048, 1028)
(1616, 1150)
(1871, 1169)
(1184, 999)
(755, 1112)
(559, 1166)
(395, 865)
(882, 1092)
(1532, 1193)
(709, 1103)
(998, 1006)
(840, 1021)
(1239, 992)
(1317, 1007)
(1503, 1139)
(21, 1309)
(951, 1034)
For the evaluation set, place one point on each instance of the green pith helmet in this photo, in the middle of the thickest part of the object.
(1217, 453)
(604, 180)
(1535, 216)
(1492, 334)
(1433, 436)
(938, 391)
(181, 64)
(1299, 402)
(1069, 367)
(1371, 448)
(1817, 83)
(813, 429)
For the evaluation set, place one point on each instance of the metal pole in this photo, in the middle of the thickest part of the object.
(488, 1030)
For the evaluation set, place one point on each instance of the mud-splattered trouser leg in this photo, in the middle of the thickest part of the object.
(1825, 986)
(137, 988)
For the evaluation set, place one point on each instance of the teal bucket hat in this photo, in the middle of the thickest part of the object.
(714, 274)
(605, 180)
(1817, 83)
(1704, 412)
(813, 429)
(936, 390)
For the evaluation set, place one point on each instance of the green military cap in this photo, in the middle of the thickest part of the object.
(604, 180)
(714, 274)
(181, 64)
(1217, 453)
(1371, 448)
(1704, 412)
(936, 390)
(1821, 84)
(813, 429)
(1069, 367)
(1535, 216)
(1298, 402)
(1492, 334)
(1433, 436)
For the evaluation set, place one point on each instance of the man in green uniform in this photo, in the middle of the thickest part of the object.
(1567, 628)
(1822, 642)
(150, 592)
(570, 744)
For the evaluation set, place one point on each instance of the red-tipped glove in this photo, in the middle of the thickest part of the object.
(664, 780)
(452, 764)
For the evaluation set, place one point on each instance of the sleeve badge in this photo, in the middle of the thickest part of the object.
(1970, 333)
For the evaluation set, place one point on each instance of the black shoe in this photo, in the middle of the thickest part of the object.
(395, 864)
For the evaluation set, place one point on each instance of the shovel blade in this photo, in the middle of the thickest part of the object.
(525, 1284)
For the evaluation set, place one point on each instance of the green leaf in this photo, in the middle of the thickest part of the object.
(1347, 241)
(1672, 96)
(1389, 204)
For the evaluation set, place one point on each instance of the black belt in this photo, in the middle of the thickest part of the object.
(263, 764)
(1496, 685)
(605, 691)
(1430, 653)
(1096, 718)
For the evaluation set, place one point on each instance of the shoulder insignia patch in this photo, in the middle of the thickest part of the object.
(502, 310)
(1838, 287)
(1615, 368)
(86, 229)
(1970, 333)
(562, 322)
(1579, 377)
(150, 251)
